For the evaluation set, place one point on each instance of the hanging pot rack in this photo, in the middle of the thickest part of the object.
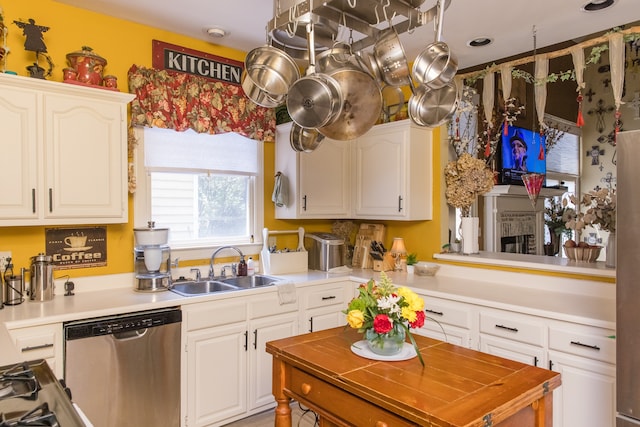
(365, 19)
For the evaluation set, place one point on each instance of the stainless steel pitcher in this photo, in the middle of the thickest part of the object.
(41, 286)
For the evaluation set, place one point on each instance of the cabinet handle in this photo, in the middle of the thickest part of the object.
(33, 200)
(246, 340)
(255, 339)
(399, 203)
(328, 298)
(304, 202)
(507, 328)
(51, 200)
(439, 313)
(535, 360)
(311, 324)
(550, 365)
(592, 347)
(36, 347)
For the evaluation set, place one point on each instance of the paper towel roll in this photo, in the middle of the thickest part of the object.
(469, 232)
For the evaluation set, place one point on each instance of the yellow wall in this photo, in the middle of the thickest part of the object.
(123, 44)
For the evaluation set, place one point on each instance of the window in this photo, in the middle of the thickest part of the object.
(207, 189)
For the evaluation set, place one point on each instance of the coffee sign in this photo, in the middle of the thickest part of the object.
(77, 247)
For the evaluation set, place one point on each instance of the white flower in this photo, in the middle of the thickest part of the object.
(389, 302)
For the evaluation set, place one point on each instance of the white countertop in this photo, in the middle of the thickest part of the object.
(572, 300)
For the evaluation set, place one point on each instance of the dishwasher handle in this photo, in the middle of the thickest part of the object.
(130, 335)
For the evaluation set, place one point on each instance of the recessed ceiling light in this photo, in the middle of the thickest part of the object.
(216, 33)
(597, 5)
(480, 41)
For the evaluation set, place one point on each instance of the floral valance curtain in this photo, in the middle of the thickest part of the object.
(172, 100)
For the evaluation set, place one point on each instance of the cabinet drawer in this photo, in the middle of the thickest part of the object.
(512, 326)
(593, 343)
(335, 402)
(206, 315)
(326, 295)
(447, 312)
(40, 345)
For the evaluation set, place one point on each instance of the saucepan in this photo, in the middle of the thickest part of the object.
(269, 70)
(433, 107)
(316, 99)
(436, 65)
(304, 139)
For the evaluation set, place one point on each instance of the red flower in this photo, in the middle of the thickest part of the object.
(419, 320)
(382, 324)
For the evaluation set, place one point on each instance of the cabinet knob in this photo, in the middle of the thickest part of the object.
(306, 388)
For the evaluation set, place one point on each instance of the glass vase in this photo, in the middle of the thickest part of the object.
(386, 344)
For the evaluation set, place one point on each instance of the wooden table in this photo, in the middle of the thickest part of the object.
(457, 386)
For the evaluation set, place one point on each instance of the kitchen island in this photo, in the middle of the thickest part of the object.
(456, 387)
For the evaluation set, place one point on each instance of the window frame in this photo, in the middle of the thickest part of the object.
(142, 207)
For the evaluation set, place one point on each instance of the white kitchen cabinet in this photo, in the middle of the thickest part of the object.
(513, 336)
(585, 358)
(393, 173)
(318, 182)
(448, 321)
(226, 370)
(323, 305)
(66, 152)
(384, 174)
(41, 342)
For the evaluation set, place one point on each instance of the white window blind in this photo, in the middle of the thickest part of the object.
(228, 153)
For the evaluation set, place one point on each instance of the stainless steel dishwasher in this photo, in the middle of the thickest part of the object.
(125, 370)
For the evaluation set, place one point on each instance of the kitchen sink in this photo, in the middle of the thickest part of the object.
(190, 288)
(250, 281)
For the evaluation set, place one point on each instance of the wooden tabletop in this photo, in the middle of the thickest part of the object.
(456, 387)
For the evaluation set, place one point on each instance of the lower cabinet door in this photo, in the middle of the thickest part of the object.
(512, 350)
(586, 397)
(216, 374)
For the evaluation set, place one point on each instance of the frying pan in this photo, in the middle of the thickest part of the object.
(433, 107)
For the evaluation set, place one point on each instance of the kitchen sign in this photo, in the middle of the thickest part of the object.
(77, 247)
(176, 58)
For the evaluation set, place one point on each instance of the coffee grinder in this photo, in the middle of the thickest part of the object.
(152, 259)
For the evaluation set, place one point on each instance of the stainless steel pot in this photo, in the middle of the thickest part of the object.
(304, 139)
(362, 97)
(433, 107)
(314, 101)
(436, 65)
(391, 59)
(258, 95)
(271, 71)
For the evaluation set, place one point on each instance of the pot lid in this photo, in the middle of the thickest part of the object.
(87, 52)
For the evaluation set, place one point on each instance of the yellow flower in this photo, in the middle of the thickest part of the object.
(409, 314)
(355, 318)
(415, 302)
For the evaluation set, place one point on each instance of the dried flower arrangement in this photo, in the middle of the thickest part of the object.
(600, 210)
(466, 179)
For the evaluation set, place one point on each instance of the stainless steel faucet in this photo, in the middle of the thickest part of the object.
(213, 257)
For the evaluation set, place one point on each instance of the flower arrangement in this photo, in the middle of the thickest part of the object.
(383, 311)
(556, 214)
(466, 179)
(600, 210)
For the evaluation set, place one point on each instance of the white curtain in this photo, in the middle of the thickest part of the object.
(540, 87)
(488, 96)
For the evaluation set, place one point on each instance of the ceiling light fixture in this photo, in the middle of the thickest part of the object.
(597, 5)
(216, 33)
(480, 41)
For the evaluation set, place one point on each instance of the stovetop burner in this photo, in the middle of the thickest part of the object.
(18, 381)
(30, 395)
(38, 416)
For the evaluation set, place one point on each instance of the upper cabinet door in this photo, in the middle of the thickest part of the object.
(85, 159)
(317, 183)
(393, 173)
(21, 159)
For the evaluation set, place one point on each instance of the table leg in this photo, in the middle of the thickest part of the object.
(283, 410)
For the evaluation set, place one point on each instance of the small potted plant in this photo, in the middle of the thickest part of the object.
(412, 260)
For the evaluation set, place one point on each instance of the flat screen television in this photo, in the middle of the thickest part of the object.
(521, 151)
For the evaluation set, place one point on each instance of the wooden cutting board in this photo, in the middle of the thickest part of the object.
(366, 234)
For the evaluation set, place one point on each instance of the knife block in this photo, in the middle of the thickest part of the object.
(388, 263)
